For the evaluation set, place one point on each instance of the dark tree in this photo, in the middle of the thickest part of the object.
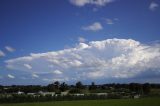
(63, 87)
(79, 85)
(146, 88)
(51, 88)
(57, 84)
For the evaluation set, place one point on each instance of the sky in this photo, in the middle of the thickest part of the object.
(105, 41)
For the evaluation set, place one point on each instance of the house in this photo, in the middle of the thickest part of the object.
(20, 93)
(125, 97)
(5, 88)
(47, 93)
(78, 94)
(30, 93)
(64, 93)
(101, 94)
(136, 96)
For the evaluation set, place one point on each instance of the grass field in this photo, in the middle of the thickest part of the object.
(115, 102)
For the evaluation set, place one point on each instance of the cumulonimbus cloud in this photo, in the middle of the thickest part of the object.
(107, 59)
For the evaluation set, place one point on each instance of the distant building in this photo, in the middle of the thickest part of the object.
(47, 93)
(20, 93)
(125, 97)
(78, 94)
(64, 93)
(30, 93)
(136, 96)
(101, 94)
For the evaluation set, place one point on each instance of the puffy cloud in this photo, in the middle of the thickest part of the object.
(96, 26)
(153, 6)
(81, 3)
(2, 54)
(100, 60)
(11, 76)
(9, 49)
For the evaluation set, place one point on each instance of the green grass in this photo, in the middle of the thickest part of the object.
(113, 102)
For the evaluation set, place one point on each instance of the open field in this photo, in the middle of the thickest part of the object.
(113, 102)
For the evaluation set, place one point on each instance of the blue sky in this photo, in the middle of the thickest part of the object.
(42, 26)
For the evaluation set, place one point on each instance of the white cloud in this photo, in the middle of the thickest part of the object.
(11, 76)
(109, 21)
(60, 79)
(153, 6)
(28, 66)
(35, 75)
(57, 72)
(116, 19)
(46, 80)
(81, 3)
(9, 49)
(107, 59)
(96, 26)
(2, 54)
(81, 39)
(95, 9)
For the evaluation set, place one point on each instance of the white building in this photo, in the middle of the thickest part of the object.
(20, 93)
(78, 94)
(64, 93)
(47, 93)
(101, 94)
(30, 93)
(136, 96)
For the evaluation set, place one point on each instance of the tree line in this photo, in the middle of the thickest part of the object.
(8, 94)
(61, 87)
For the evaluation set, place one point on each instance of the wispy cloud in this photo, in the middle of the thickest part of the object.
(81, 39)
(107, 59)
(9, 48)
(35, 75)
(28, 66)
(109, 21)
(81, 3)
(96, 26)
(2, 54)
(153, 6)
(11, 76)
